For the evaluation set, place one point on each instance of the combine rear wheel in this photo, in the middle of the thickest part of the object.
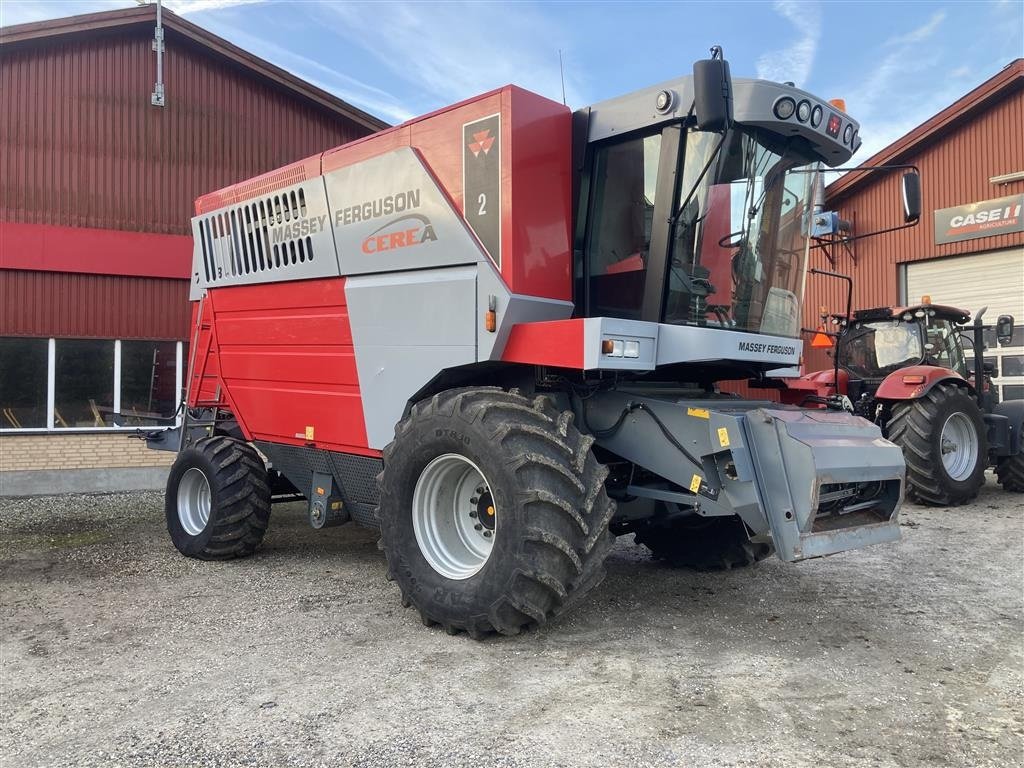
(703, 543)
(218, 499)
(1010, 473)
(493, 511)
(942, 435)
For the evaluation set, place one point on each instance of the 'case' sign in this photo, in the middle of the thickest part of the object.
(989, 217)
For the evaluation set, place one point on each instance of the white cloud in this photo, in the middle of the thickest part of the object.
(911, 59)
(453, 51)
(794, 62)
(920, 34)
(185, 7)
(374, 100)
(24, 11)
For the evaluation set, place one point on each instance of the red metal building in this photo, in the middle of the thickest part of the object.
(97, 186)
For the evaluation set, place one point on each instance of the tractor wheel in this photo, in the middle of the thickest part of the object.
(218, 499)
(703, 543)
(1010, 473)
(493, 511)
(942, 435)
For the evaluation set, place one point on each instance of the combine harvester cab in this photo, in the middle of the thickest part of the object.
(496, 334)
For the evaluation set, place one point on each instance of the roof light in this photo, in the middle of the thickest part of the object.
(848, 133)
(803, 111)
(839, 104)
(926, 299)
(663, 102)
(816, 114)
(784, 108)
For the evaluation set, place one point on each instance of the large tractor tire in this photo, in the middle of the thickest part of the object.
(493, 511)
(1010, 473)
(942, 435)
(218, 499)
(703, 543)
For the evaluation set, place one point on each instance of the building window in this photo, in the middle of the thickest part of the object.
(148, 381)
(23, 367)
(88, 384)
(84, 383)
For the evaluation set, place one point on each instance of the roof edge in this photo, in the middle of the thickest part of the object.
(1009, 77)
(124, 17)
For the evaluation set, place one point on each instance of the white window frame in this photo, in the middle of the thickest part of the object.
(51, 389)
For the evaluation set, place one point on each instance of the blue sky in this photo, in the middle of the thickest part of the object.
(895, 63)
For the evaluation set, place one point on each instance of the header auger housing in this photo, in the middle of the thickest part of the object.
(495, 333)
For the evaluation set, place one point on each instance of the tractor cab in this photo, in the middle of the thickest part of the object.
(879, 342)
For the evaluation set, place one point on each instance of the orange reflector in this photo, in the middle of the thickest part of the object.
(607, 347)
(839, 104)
(491, 321)
(913, 378)
(821, 339)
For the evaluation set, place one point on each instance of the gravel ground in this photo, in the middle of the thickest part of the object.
(117, 651)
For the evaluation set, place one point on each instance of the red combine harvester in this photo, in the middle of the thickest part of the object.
(494, 333)
(905, 369)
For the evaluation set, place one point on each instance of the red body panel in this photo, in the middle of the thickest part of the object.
(536, 184)
(819, 384)
(894, 388)
(556, 343)
(282, 357)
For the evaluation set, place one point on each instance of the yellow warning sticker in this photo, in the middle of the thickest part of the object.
(695, 484)
(700, 413)
(309, 433)
(723, 437)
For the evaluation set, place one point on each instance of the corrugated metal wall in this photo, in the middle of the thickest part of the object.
(955, 169)
(60, 304)
(81, 145)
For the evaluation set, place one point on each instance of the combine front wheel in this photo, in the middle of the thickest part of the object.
(493, 511)
(703, 543)
(942, 435)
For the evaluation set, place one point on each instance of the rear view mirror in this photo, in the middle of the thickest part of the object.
(911, 197)
(712, 93)
(1004, 330)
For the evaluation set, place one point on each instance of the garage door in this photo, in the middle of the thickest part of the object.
(994, 280)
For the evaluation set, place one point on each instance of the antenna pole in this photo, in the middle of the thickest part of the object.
(561, 71)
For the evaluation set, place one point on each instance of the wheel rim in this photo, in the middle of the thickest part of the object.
(959, 445)
(454, 516)
(193, 501)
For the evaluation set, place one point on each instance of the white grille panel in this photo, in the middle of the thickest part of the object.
(285, 235)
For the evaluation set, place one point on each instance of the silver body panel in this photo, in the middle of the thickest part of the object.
(406, 327)
(664, 344)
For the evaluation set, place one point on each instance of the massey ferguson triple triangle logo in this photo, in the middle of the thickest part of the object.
(482, 142)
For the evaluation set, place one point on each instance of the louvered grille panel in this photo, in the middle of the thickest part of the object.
(284, 235)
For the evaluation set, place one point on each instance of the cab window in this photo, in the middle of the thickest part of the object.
(624, 185)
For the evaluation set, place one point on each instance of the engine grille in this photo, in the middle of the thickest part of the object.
(284, 235)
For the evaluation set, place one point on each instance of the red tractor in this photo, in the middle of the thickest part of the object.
(905, 369)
